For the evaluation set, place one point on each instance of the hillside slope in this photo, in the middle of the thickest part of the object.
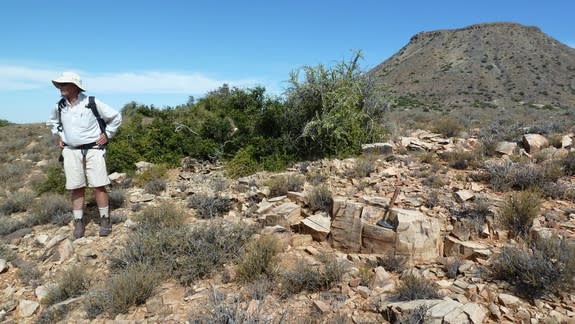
(494, 64)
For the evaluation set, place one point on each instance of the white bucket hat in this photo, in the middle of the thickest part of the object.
(69, 77)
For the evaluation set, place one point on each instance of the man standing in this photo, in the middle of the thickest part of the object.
(83, 142)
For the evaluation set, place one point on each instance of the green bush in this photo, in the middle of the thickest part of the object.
(242, 164)
(54, 182)
(154, 172)
(543, 267)
(332, 111)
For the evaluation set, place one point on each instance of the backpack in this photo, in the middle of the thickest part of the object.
(91, 104)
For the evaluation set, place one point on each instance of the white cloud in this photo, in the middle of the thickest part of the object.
(158, 82)
(13, 78)
(23, 78)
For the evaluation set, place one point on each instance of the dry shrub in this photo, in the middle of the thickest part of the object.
(306, 277)
(155, 186)
(364, 166)
(259, 259)
(132, 286)
(448, 126)
(518, 211)
(281, 185)
(414, 287)
(17, 202)
(535, 270)
(71, 282)
(320, 198)
(208, 207)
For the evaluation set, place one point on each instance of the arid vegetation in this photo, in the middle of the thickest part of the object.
(217, 216)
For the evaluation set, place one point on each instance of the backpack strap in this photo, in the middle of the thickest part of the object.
(61, 104)
(92, 105)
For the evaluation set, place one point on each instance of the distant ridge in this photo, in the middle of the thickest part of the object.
(491, 64)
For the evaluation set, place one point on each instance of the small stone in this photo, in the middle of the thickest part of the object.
(508, 300)
(3, 266)
(26, 308)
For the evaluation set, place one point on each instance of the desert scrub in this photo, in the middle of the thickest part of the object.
(393, 263)
(6, 252)
(116, 198)
(518, 211)
(280, 185)
(320, 198)
(164, 215)
(208, 207)
(19, 201)
(537, 269)
(155, 186)
(364, 166)
(132, 286)
(473, 214)
(71, 282)
(414, 286)
(28, 272)
(259, 259)
(50, 208)
(179, 250)
(568, 163)
(306, 277)
(461, 159)
(448, 126)
(154, 171)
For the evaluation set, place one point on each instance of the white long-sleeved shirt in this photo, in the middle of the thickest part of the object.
(79, 125)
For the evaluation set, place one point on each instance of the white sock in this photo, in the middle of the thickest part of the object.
(78, 213)
(104, 212)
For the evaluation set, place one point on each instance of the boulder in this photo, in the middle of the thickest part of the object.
(534, 142)
(418, 235)
(346, 227)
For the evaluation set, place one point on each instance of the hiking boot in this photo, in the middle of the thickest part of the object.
(78, 228)
(105, 226)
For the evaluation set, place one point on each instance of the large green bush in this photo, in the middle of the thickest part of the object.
(330, 112)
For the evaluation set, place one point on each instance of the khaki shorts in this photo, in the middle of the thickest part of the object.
(95, 168)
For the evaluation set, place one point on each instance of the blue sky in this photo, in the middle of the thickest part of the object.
(162, 52)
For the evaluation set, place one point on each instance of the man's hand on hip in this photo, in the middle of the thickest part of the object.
(102, 140)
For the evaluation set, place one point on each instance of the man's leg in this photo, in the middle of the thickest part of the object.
(78, 210)
(103, 207)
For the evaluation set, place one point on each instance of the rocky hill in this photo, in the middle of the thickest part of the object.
(436, 229)
(492, 64)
